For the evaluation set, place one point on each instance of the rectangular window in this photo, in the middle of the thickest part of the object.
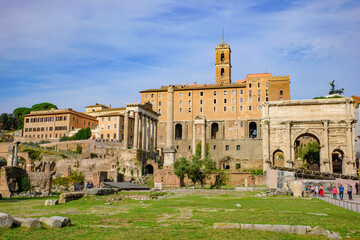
(258, 85)
(159, 111)
(152, 95)
(250, 92)
(237, 147)
(267, 92)
(250, 99)
(233, 108)
(233, 92)
(64, 118)
(214, 93)
(102, 119)
(159, 95)
(214, 147)
(242, 124)
(233, 100)
(115, 126)
(201, 101)
(159, 103)
(180, 103)
(281, 99)
(189, 94)
(122, 127)
(214, 109)
(201, 109)
(201, 94)
(249, 85)
(102, 126)
(241, 108)
(225, 101)
(267, 99)
(102, 136)
(190, 102)
(241, 91)
(227, 147)
(109, 119)
(225, 109)
(225, 92)
(259, 92)
(108, 135)
(180, 110)
(189, 110)
(250, 108)
(266, 84)
(27, 120)
(180, 94)
(146, 95)
(259, 107)
(241, 100)
(114, 135)
(259, 99)
(214, 101)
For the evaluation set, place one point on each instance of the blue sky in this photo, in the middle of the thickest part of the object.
(75, 53)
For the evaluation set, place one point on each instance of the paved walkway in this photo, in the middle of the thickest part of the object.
(353, 205)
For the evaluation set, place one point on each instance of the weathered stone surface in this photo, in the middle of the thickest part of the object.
(334, 235)
(51, 202)
(70, 196)
(297, 188)
(27, 222)
(56, 221)
(99, 191)
(226, 226)
(299, 229)
(318, 231)
(250, 189)
(6, 221)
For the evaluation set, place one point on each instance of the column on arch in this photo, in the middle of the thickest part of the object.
(144, 132)
(126, 129)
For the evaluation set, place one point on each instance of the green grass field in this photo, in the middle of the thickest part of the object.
(187, 214)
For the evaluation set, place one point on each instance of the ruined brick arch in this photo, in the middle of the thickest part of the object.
(278, 158)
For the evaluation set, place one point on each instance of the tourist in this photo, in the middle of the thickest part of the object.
(321, 190)
(349, 191)
(317, 190)
(357, 188)
(334, 192)
(341, 192)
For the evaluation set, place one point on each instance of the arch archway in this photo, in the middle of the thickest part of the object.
(307, 149)
(222, 57)
(337, 157)
(252, 130)
(3, 162)
(222, 72)
(178, 131)
(278, 158)
(149, 169)
(214, 130)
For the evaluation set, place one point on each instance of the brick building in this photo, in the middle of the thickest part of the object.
(56, 123)
(232, 112)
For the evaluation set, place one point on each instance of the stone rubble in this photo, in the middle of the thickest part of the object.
(51, 202)
(31, 223)
(6, 221)
(56, 221)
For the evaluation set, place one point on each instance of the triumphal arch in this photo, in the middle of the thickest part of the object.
(330, 122)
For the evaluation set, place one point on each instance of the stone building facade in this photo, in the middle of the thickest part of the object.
(331, 122)
(56, 123)
(231, 112)
(357, 136)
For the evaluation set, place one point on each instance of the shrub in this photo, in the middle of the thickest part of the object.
(220, 180)
(78, 149)
(63, 181)
(76, 177)
(25, 184)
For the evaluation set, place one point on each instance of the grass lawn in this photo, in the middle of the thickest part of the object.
(186, 214)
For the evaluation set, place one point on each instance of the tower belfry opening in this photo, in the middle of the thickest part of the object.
(223, 63)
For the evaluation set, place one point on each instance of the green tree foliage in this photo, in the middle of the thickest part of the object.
(198, 149)
(43, 106)
(25, 184)
(309, 152)
(20, 114)
(8, 121)
(197, 169)
(78, 149)
(221, 179)
(82, 134)
(76, 177)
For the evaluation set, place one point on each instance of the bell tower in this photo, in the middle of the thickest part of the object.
(223, 63)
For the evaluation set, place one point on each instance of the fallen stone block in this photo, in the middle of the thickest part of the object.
(6, 221)
(99, 191)
(52, 202)
(318, 231)
(31, 223)
(56, 221)
(334, 235)
(299, 229)
(70, 196)
(226, 226)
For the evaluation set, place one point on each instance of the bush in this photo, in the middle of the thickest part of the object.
(76, 177)
(34, 154)
(82, 134)
(220, 180)
(25, 184)
(63, 181)
(78, 149)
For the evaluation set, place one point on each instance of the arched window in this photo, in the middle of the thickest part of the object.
(214, 130)
(178, 131)
(149, 169)
(337, 161)
(222, 72)
(222, 57)
(281, 92)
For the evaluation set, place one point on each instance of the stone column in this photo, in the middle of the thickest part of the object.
(136, 130)
(194, 138)
(16, 146)
(148, 134)
(144, 133)
(151, 141)
(324, 156)
(155, 138)
(288, 157)
(266, 145)
(348, 165)
(170, 151)
(140, 131)
(126, 129)
(203, 141)
(118, 129)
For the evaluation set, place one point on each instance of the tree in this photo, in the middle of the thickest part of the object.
(200, 169)
(8, 121)
(43, 106)
(309, 152)
(181, 166)
(82, 134)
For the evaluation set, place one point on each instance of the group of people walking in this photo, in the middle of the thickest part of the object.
(341, 191)
(316, 190)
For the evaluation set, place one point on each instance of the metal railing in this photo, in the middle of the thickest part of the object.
(353, 206)
(314, 174)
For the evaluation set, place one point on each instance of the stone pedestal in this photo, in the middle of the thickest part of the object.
(169, 156)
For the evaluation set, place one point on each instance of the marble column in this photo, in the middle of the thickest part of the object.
(140, 131)
(16, 146)
(203, 141)
(151, 140)
(144, 133)
(126, 129)
(148, 134)
(266, 145)
(348, 165)
(324, 156)
(155, 138)
(170, 151)
(288, 159)
(136, 130)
